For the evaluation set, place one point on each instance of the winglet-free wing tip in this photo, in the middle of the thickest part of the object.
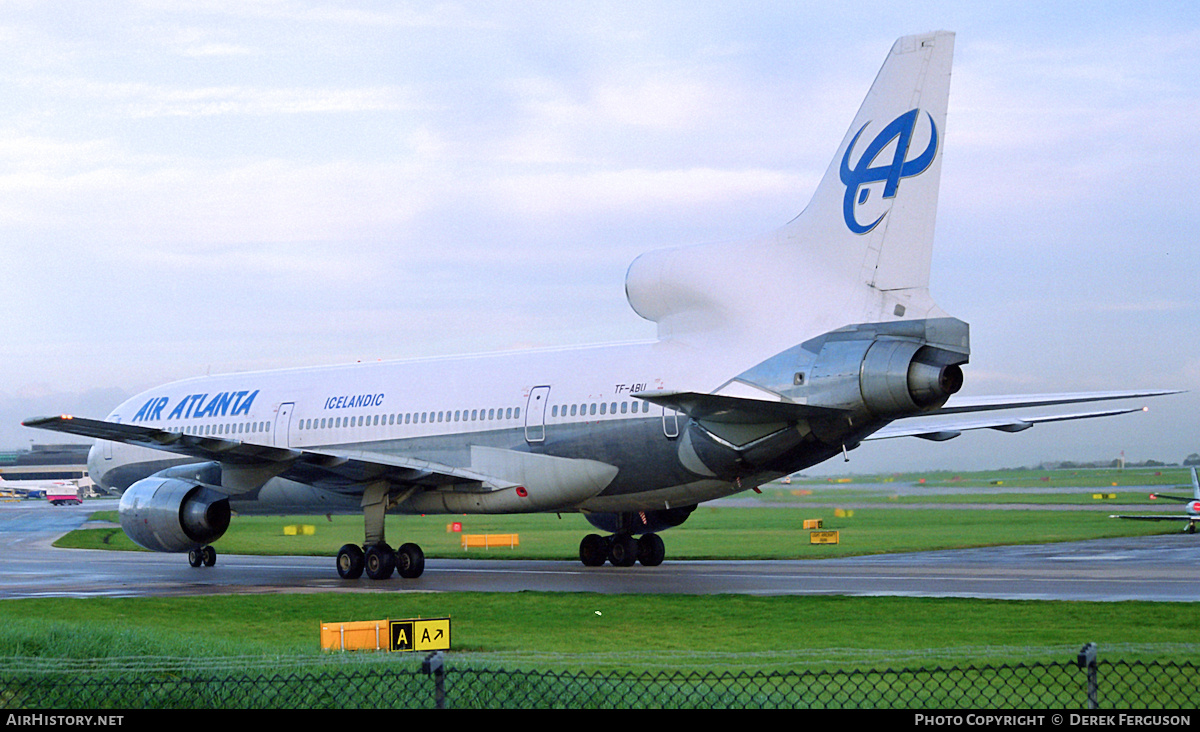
(39, 421)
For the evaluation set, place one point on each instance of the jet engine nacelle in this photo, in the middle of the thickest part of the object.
(166, 514)
(898, 377)
(888, 377)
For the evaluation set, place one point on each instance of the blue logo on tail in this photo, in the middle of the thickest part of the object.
(900, 130)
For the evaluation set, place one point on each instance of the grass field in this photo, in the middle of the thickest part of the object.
(594, 631)
(583, 631)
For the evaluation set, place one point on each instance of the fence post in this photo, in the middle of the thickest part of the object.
(1087, 659)
(434, 665)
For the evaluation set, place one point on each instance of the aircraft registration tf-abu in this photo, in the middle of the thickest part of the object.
(773, 354)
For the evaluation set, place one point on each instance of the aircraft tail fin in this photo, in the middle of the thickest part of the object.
(859, 252)
(875, 208)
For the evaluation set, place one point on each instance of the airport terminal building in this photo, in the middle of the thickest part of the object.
(47, 462)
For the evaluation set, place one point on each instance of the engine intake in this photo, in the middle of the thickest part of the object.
(166, 514)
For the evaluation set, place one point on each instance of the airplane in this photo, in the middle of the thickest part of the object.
(1192, 508)
(772, 354)
(25, 487)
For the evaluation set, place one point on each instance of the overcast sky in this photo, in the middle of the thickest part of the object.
(190, 188)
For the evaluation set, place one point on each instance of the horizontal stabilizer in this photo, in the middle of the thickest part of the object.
(958, 405)
(939, 428)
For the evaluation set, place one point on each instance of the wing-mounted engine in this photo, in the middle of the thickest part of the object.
(176, 510)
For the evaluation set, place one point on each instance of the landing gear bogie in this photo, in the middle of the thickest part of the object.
(380, 561)
(622, 550)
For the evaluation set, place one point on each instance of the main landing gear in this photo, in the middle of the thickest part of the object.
(622, 550)
(379, 561)
(375, 557)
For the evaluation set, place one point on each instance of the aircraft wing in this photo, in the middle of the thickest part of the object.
(324, 469)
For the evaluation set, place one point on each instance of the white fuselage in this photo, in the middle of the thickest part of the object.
(569, 403)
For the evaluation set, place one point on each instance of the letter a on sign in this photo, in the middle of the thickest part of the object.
(402, 635)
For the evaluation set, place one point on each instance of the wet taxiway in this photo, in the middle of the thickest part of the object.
(1153, 568)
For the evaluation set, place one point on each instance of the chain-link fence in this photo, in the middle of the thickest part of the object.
(1077, 684)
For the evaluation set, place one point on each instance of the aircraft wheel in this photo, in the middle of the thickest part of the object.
(208, 555)
(195, 557)
(1191, 529)
(350, 562)
(380, 561)
(593, 550)
(410, 561)
(623, 550)
(651, 550)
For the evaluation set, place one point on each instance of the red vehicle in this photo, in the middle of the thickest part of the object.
(64, 496)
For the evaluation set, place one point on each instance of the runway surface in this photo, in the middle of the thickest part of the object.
(1155, 568)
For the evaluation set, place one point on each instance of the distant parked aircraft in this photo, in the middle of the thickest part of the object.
(1192, 507)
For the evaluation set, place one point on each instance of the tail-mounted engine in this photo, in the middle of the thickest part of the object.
(887, 376)
(888, 370)
(827, 394)
(165, 513)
